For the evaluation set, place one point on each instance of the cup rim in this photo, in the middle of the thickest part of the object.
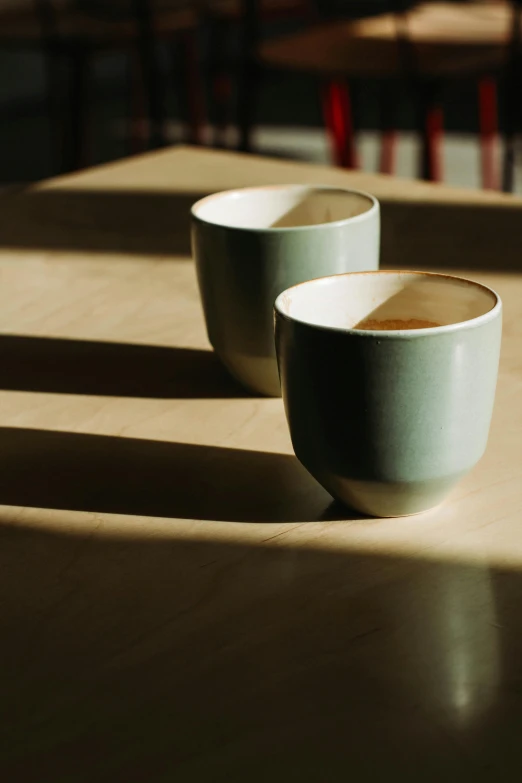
(284, 229)
(401, 334)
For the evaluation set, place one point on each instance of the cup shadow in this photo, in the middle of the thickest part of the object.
(460, 236)
(129, 222)
(122, 222)
(61, 366)
(95, 473)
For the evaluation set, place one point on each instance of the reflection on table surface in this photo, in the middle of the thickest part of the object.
(173, 654)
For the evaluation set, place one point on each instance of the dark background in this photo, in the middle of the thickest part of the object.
(286, 99)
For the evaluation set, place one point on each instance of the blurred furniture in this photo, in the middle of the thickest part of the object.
(179, 599)
(73, 32)
(427, 47)
(232, 26)
(512, 114)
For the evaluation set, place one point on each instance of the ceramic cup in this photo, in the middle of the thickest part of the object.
(389, 417)
(251, 244)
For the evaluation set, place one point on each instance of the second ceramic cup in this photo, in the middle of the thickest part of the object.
(251, 244)
(388, 381)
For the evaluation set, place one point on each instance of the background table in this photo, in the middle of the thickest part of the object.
(179, 601)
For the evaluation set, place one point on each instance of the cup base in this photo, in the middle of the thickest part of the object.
(258, 374)
(391, 499)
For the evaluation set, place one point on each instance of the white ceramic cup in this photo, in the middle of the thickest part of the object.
(251, 244)
(388, 381)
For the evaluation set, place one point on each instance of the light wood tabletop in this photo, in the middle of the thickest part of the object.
(179, 601)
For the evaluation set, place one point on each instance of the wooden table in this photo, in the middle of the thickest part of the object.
(449, 39)
(179, 601)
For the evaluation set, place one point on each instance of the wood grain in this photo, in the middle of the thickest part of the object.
(179, 601)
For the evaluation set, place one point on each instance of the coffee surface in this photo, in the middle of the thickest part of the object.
(391, 324)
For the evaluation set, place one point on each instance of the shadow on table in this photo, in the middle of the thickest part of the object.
(49, 469)
(154, 657)
(105, 221)
(48, 364)
(451, 236)
(414, 234)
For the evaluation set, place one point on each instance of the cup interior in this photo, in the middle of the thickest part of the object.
(386, 301)
(280, 207)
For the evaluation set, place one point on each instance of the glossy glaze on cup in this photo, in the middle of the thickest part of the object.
(388, 421)
(251, 244)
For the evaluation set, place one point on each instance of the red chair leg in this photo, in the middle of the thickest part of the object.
(329, 125)
(339, 122)
(488, 119)
(434, 130)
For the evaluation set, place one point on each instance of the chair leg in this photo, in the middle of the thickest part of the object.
(512, 118)
(387, 160)
(221, 87)
(78, 106)
(508, 164)
(388, 152)
(512, 110)
(222, 90)
(431, 123)
(188, 85)
(194, 86)
(54, 93)
(248, 89)
(249, 74)
(432, 144)
(488, 118)
(137, 121)
(152, 76)
(189, 88)
(335, 145)
(338, 117)
(67, 79)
